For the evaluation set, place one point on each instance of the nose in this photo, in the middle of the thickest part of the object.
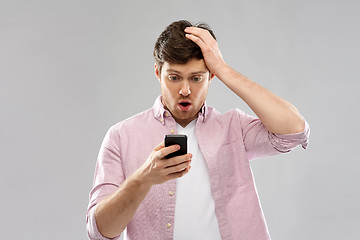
(185, 88)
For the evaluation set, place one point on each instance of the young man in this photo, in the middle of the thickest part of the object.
(208, 193)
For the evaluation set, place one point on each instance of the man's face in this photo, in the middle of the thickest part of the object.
(184, 88)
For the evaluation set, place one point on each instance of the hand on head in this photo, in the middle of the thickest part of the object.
(209, 47)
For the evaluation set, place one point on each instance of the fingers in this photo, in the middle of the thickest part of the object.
(160, 146)
(165, 169)
(209, 48)
(178, 168)
(196, 40)
(178, 174)
(199, 36)
(162, 152)
(177, 160)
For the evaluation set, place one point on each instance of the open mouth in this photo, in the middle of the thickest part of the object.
(184, 106)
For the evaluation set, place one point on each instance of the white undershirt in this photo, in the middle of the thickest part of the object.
(195, 207)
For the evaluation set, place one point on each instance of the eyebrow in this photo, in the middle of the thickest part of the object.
(193, 73)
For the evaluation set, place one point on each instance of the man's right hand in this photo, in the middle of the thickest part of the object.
(157, 169)
(114, 212)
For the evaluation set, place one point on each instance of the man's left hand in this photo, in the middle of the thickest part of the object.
(209, 47)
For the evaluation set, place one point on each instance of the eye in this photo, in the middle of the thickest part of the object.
(173, 77)
(197, 78)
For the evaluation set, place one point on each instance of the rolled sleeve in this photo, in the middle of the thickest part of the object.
(259, 142)
(92, 230)
(108, 177)
(286, 142)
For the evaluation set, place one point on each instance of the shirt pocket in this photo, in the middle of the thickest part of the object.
(233, 164)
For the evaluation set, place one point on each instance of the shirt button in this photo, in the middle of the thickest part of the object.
(171, 193)
(166, 114)
(168, 225)
(172, 130)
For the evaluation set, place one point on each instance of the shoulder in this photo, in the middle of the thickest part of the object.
(136, 120)
(229, 116)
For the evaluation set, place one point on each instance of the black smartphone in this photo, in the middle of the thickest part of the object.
(179, 139)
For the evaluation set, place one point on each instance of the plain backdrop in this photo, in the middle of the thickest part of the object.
(71, 69)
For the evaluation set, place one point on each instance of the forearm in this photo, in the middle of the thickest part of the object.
(278, 115)
(115, 212)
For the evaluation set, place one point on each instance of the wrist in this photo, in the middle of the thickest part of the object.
(140, 181)
(222, 72)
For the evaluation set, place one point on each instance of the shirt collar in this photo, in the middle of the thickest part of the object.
(160, 113)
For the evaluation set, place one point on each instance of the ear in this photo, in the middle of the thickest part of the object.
(211, 77)
(157, 72)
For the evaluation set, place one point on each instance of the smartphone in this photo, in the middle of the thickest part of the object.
(179, 139)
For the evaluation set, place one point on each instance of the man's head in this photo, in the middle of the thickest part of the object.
(182, 72)
(173, 47)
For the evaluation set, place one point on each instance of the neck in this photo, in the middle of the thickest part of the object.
(184, 122)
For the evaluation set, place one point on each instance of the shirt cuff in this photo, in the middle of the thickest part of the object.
(92, 230)
(286, 142)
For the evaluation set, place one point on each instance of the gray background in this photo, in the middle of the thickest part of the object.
(71, 69)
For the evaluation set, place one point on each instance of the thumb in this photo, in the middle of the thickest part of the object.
(160, 146)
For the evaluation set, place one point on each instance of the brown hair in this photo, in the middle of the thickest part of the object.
(173, 47)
